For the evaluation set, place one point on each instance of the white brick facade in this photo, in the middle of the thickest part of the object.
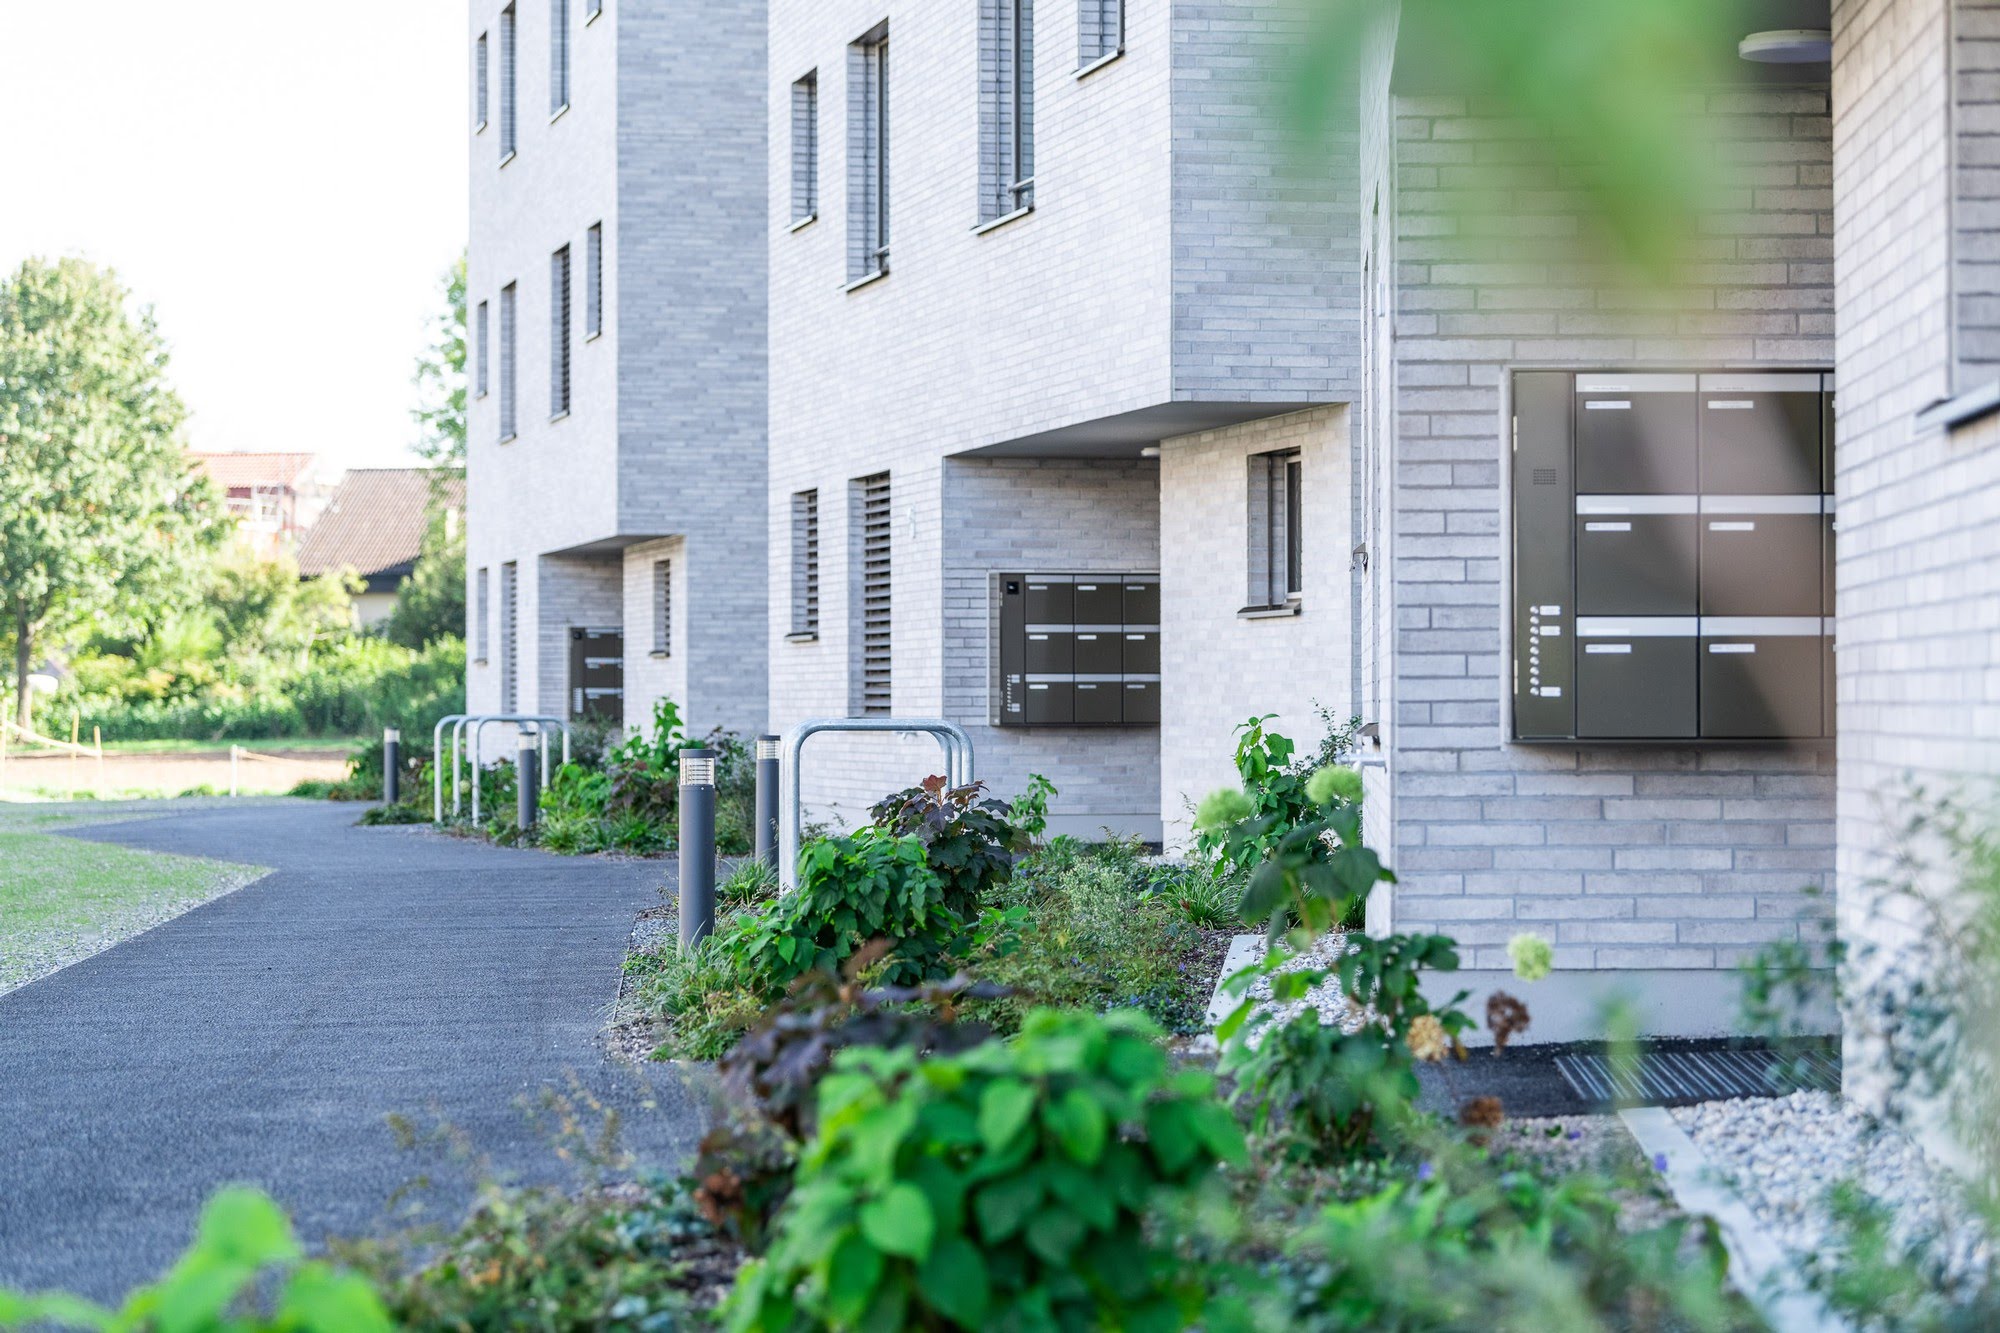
(662, 145)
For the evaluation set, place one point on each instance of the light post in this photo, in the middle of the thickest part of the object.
(697, 840)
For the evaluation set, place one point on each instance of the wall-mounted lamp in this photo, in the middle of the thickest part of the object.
(1788, 46)
(1150, 451)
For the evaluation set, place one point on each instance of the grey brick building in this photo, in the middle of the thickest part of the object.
(616, 298)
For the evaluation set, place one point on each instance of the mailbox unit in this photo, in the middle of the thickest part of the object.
(596, 673)
(1077, 650)
(1673, 556)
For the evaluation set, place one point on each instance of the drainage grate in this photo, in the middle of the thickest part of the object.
(1658, 1078)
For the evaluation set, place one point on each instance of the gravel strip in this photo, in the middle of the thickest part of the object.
(1327, 996)
(1784, 1154)
(32, 955)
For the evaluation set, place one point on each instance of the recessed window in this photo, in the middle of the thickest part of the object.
(663, 608)
(479, 618)
(558, 55)
(510, 684)
(479, 85)
(481, 348)
(1277, 545)
(592, 9)
(805, 564)
(559, 333)
(508, 109)
(872, 653)
(1100, 31)
(593, 280)
(805, 148)
(868, 156)
(507, 423)
(1006, 107)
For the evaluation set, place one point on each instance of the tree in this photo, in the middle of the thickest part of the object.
(430, 603)
(440, 380)
(101, 502)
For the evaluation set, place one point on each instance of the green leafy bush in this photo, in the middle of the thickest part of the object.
(1009, 1186)
(967, 841)
(243, 1250)
(1094, 931)
(873, 885)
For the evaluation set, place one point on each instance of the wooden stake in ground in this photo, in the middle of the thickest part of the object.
(75, 727)
(97, 739)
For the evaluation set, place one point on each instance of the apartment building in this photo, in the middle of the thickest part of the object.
(1050, 304)
(615, 281)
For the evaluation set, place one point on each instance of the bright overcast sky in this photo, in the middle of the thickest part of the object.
(284, 183)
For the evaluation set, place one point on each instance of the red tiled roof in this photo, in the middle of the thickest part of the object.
(273, 469)
(375, 522)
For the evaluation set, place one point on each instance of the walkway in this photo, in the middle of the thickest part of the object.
(267, 1036)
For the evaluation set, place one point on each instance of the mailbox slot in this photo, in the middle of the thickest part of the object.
(1140, 655)
(1636, 680)
(1760, 434)
(1635, 559)
(1142, 703)
(1762, 676)
(1051, 703)
(1100, 702)
(1635, 434)
(1100, 651)
(1758, 563)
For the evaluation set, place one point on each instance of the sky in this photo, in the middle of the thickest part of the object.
(285, 190)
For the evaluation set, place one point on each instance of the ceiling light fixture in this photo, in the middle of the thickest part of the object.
(1788, 46)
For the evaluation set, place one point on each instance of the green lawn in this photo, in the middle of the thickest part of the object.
(279, 745)
(62, 900)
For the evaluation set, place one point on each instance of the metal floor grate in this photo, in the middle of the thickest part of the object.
(1663, 1077)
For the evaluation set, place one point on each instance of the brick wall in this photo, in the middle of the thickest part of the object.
(1217, 668)
(1678, 859)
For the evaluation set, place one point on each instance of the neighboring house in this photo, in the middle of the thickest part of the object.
(615, 280)
(273, 496)
(374, 526)
(1098, 423)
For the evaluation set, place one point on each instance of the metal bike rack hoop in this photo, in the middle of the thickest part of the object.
(958, 770)
(479, 722)
(437, 765)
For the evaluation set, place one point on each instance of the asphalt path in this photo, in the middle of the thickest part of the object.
(269, 1038)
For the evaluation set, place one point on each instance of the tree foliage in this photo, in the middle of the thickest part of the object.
(102, 505)
(440, 380)
(430, 603)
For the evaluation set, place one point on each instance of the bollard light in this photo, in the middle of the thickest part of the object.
(767, 800)
(697, 841)
(392, 765)
(527, 788)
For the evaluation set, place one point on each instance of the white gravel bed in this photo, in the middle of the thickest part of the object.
(1784, 1154)
(1327, 997)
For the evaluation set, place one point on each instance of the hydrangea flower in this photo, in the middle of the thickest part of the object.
(1221, 808)
(1427, 1040)
(1332, 783)
(1533, 956)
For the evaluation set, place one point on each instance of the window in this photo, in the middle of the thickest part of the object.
(1006, 107)
(871, 600)
(479, 86)
(558, 56)
(663, 608)
(509, 650)
(479, 617)
(559, 333)
(805, 565)
(1100, 31)
(868, 156)
(593, 280)
(480, 347)
(592, 9)
(507, 62)
(507, 362)
(805, 148)
(1277, 550)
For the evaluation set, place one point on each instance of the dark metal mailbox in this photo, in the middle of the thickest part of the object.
(1761, 676)
(1050, 703)
(1635, 434)
(1760, 434)
(596, 673)
(1636, 680)
(1762, 563)
(1635, 556)
(1071, 644)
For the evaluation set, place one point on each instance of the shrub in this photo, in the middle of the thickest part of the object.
(1007, 1186)
(966, 840)
(703, 997)
(872, 885)
(1091, 932)
(243, 1246)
